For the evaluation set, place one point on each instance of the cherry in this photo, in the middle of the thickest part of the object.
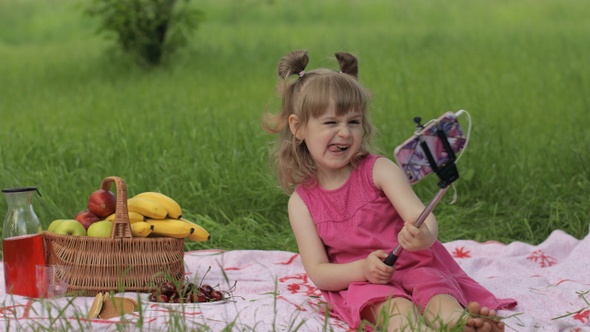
(206, 289)
(186, 290)
(167, 288)
(216, 295)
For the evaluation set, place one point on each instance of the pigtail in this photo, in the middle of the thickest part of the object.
(348, 63)
(293, 63)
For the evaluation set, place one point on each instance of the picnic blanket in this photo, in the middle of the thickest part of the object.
(271, 292)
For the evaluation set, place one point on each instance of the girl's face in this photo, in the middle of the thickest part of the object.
(332, 140)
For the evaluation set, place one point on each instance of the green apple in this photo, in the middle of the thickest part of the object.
(70, 227)
(54, 225)
(101, 228)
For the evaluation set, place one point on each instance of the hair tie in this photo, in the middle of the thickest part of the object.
(301, 73)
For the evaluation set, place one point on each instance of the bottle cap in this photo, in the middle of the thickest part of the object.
(20, 190)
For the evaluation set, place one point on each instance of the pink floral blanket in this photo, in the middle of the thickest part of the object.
(550, 281)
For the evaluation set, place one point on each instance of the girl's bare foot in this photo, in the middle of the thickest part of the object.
(483, 319)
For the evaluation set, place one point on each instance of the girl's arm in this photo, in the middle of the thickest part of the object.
(325, 275)
(392, 180)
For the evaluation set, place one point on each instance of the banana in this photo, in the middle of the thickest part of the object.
(200, 234)
(170, 228)
(133, 217)
(173, 208)
(147, 207)
(141, 229)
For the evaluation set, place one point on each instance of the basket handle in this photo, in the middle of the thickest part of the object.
(121, 225)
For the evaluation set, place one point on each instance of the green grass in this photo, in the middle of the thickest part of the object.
(71, 115)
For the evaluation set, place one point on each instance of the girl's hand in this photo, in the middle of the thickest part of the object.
(375, 270)
(393, 181)
(413, 238)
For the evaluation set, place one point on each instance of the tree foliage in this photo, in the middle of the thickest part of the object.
(149, 30)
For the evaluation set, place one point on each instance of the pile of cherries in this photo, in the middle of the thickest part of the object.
(185, 292)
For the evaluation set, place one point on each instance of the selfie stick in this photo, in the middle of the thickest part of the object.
(447, 173)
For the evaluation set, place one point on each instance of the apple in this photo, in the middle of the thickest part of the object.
(102, 203)
(86, 218)
(70, 227)
(101, 228)
(53, 225)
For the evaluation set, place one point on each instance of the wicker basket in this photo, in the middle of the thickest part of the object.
(119, 263)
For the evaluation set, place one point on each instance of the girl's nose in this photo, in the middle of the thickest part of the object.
(344, 131)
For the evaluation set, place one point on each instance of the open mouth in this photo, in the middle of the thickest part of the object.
(338, 148)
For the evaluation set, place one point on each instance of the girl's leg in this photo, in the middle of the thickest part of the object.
(443, 311)
(397, 313)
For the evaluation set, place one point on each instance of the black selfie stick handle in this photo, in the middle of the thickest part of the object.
(394, 254)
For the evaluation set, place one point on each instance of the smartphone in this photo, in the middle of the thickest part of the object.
(411, 157)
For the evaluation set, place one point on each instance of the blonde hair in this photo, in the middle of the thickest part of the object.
(309, 95)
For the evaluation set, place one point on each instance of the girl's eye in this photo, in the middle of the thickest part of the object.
(330, 122)
(354, 122)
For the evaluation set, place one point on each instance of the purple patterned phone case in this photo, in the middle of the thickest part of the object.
(410, 155)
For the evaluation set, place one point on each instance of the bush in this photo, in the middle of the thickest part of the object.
(149, 30)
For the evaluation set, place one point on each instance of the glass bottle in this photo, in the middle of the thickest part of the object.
(22, 242)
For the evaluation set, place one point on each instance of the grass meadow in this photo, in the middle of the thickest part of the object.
(71, 113)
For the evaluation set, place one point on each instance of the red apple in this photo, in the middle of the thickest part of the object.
(86, 218)
(102, 203)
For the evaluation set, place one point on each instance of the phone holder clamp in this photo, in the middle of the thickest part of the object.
(447, 172)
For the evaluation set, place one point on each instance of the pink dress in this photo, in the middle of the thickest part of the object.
(357, 219)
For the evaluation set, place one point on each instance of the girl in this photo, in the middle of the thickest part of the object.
(349, 206)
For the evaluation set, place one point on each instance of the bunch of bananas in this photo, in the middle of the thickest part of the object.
(155, 214)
